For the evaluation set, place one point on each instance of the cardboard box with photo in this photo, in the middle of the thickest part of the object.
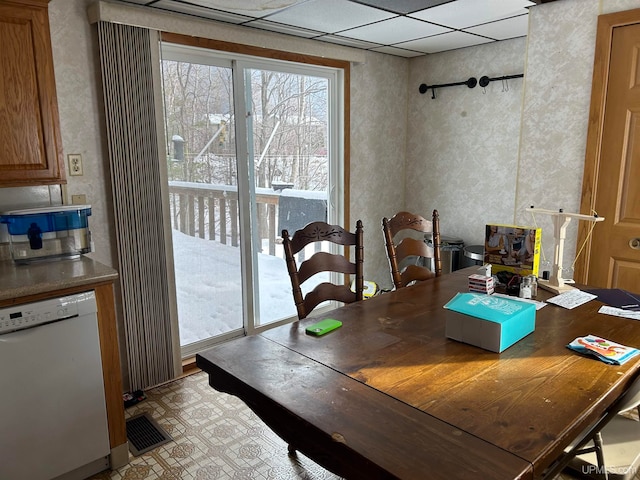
(513, 248)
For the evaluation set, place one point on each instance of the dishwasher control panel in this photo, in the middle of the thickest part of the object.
(31, 315)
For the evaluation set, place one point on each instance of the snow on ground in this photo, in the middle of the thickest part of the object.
(209, 288)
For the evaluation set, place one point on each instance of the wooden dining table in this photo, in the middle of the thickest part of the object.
(388, 395)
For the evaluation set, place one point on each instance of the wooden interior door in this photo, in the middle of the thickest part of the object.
(612, 168)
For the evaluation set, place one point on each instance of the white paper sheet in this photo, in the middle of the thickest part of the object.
(571, 298)
(619, 312)
(537, 303)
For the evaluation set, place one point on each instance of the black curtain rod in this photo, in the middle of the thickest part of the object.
(484, 81)
(471, 83)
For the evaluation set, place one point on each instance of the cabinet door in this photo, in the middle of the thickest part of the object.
(30, 145)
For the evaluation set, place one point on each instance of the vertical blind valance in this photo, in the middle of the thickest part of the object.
(157, 19)
(132, 136)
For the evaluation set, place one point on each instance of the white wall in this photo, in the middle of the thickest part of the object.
(462, 154)
(556, 109)
(562, 38)
(378, 141)
(485, 158)
(78, 84)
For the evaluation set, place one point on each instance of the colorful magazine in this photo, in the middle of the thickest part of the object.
(603, 349)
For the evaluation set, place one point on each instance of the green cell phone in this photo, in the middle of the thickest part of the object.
(323, 326)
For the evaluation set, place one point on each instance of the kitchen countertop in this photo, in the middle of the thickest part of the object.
(48, 276)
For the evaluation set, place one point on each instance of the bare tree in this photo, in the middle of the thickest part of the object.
(289, 128)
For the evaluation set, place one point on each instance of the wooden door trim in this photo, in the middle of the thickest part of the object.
(602, 59)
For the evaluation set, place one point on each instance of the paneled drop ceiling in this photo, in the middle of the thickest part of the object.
(406, 28)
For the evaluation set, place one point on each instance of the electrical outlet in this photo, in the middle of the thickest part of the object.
(80, 199)
(75, 164)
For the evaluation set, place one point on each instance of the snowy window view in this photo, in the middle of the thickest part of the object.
(289, 166)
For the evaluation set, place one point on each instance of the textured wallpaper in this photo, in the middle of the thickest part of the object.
(611, 6)
(462, 146)
(79, 88)
(557, 97)
(480, 157)
(378, 142)
(556, 110)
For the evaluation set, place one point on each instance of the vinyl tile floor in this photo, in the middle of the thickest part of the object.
(215, 436)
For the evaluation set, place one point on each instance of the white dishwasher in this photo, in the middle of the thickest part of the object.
(53, 420)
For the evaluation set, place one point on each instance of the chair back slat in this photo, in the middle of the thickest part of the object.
(326, 291)
(401, 247)
(319, 232)
(405, 220)
(415, 273)
(412, 247)
(324, 262)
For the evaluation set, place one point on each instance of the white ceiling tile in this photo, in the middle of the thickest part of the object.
(200, 11)
(403, 6)
(281, 28)
(503, 29)
(446, 41)
(394, 30)
(399, 52)
(329, 16)
(250, 8)
(369, 24)
(465, 13)
(349, 42)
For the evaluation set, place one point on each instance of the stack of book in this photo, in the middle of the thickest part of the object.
(481, 284)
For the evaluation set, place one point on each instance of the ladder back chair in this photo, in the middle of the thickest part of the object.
(324, 262)
(400, 248)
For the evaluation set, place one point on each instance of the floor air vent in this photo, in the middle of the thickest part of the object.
(145, 434)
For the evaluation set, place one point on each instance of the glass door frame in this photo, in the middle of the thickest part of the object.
(335, 205)
(337, 194)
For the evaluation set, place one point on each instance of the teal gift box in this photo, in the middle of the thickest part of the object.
(490, 322)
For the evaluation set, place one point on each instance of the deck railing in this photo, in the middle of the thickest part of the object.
(211, 212)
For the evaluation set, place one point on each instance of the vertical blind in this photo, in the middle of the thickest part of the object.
(132, 135)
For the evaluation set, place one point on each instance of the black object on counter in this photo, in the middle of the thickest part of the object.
(34, 234)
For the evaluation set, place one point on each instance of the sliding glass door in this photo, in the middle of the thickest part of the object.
(254, 148)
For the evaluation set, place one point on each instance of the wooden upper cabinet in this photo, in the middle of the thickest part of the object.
(30, 144)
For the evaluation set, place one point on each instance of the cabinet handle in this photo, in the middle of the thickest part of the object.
(635, 243)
